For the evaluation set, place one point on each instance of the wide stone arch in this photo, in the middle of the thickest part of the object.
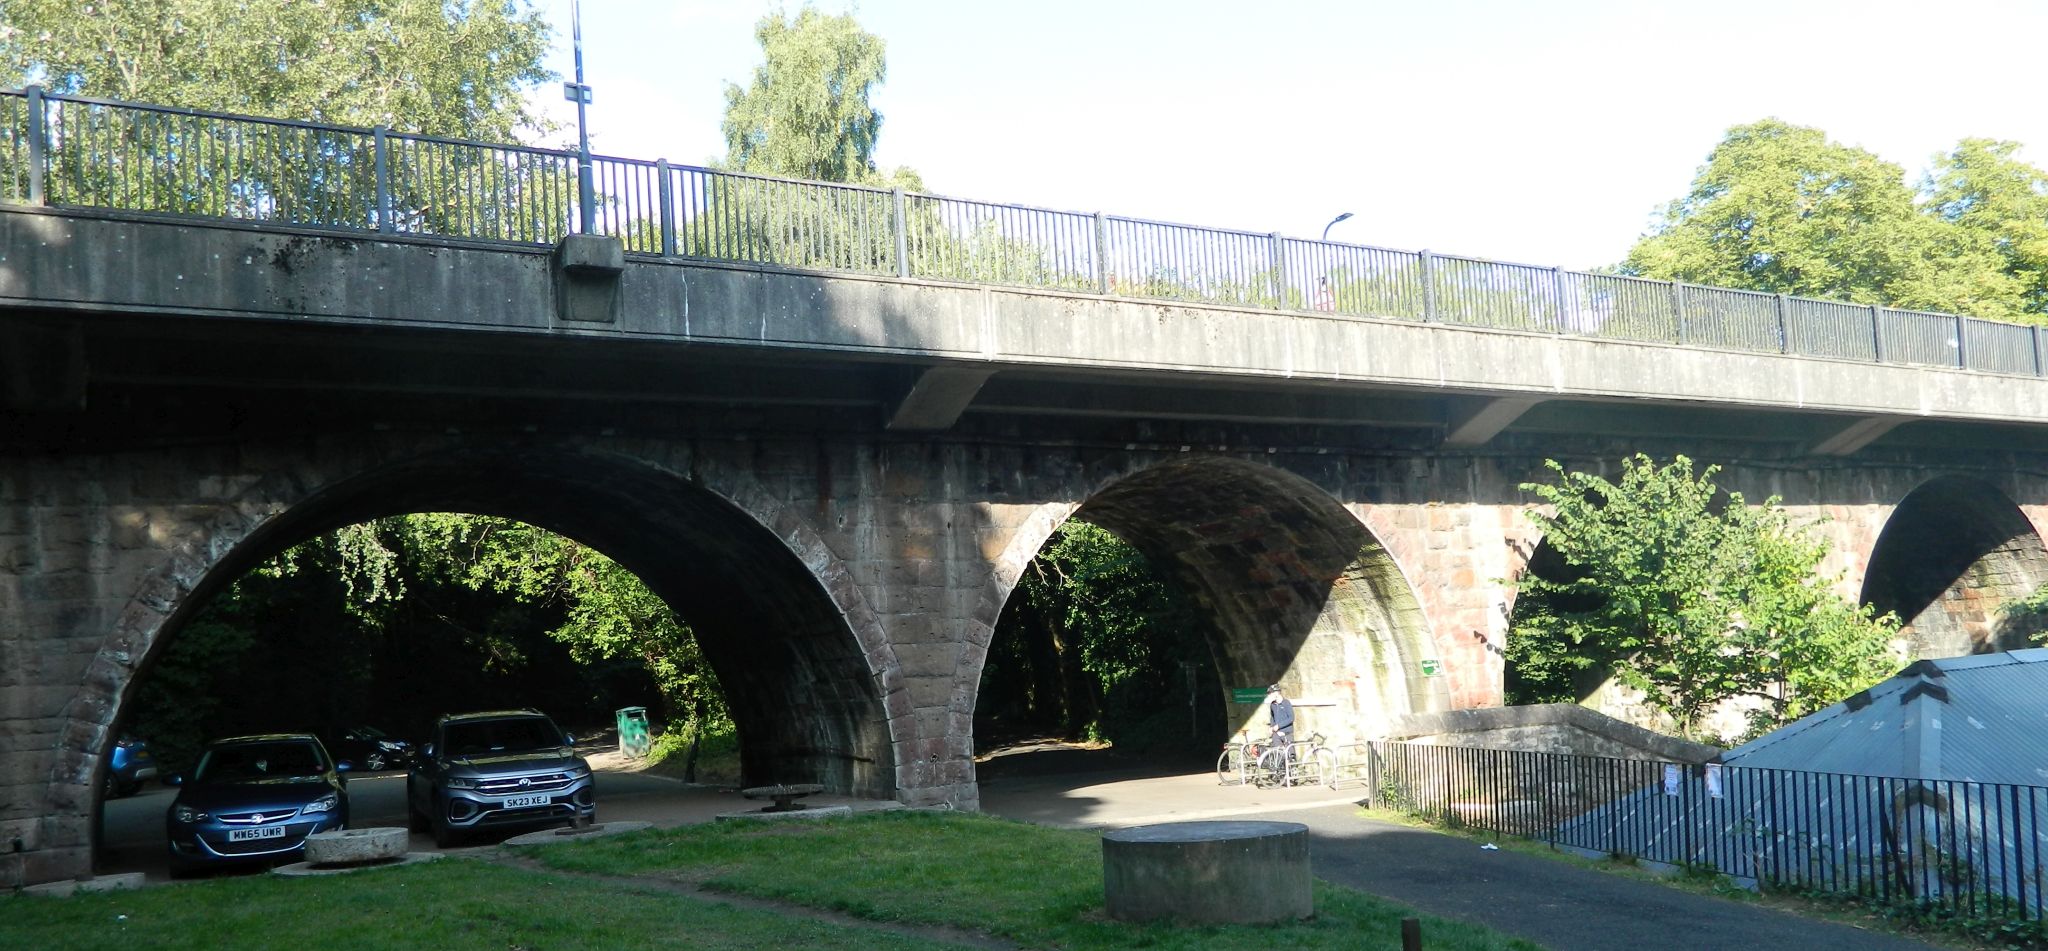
(804, 660)
(1300, 590)
(1953, 553)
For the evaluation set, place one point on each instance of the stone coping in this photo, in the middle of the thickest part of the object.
(310, 870)
(594, 831)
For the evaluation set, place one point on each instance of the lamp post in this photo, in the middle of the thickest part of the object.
(1326, 228)
(579, 93)
(1326, 299)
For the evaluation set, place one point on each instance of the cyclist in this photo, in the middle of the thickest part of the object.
(1280, 713)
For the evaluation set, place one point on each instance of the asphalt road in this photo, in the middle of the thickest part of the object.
(1556, 904)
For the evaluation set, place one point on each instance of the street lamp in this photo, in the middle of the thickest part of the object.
(1326, 297)
(579, 93)
(1333, 223)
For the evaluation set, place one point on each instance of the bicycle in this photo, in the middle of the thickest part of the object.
(1299, 762)
(1234, 766)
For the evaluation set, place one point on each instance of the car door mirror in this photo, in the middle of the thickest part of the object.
(175, 779)
(343, 766)
(428, 751)
(568, 740)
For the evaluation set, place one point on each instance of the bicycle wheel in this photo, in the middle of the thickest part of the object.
(1230, 766)
(1325, 764)
(1272, 768)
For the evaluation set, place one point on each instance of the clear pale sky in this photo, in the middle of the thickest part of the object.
(1543, 132)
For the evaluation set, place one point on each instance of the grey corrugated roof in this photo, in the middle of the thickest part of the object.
(1981, 718)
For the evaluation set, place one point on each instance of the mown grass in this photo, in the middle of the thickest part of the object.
(1035, 886)
(454, 903)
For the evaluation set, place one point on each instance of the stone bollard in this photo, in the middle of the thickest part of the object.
(1210, 872)
(355, 846)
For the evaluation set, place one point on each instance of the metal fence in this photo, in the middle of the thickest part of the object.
(1973, 848)
(77, 152)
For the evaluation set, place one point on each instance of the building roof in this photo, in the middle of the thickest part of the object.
(1981, 718)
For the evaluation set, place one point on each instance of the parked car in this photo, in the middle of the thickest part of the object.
(254, 799)
(131, 765)
(368, 748)
(495, 770)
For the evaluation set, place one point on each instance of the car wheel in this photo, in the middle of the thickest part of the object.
(375, 762)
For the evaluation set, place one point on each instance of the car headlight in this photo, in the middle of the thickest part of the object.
(578, 772)
(184, 813)
(322, 804)
(461, 782)
(392, 745)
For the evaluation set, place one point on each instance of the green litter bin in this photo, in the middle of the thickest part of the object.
(633, 740)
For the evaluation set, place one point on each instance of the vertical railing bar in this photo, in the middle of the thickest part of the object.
(901, 228)
(380, 143)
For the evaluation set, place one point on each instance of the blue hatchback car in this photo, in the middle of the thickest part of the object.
(255, 799)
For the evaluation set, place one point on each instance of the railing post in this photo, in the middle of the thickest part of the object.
(664, 192)
(2034, 339)
(1876, 333)
(1101, 253)
(1784, 326)
(1962, 343)
(1557, 288)
(381, 159)
(1429, 312)
(38, 152)
(900, 223)
(1276, 253)
(1678, 320)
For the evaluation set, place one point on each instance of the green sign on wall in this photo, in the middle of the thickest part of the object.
(1431, 668)
(1247, 694)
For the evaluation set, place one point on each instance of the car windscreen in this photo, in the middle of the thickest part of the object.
(491, 737)
(244, 762)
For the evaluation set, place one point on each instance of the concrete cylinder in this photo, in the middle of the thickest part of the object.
(1211, 872)
(355, 846)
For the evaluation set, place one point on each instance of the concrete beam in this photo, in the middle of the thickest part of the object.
(937, 399)
(1478, 426)
(1851, 439)
(1017, 394)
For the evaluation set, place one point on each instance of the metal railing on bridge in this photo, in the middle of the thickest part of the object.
(77, 152)
(1973, 849)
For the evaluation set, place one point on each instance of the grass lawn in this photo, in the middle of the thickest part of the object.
(453, 903)
(1038, 887)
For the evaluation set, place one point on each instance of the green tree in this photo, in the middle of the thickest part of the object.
(1999, 205)
(1690, 595)
(1091, 647)
(806, 114)
(443, 67)
(1780, 208)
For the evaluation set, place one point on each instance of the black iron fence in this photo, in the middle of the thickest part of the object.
(77, 152)
(1973, 848)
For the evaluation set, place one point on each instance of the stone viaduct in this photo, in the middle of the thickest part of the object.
(837, 480)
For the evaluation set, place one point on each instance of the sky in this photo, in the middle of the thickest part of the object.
(1540, 132)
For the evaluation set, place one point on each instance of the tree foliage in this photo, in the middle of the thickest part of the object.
(1781, 208)
(1690, 595)
(443, 67)
(806, 113)
(1092, 647)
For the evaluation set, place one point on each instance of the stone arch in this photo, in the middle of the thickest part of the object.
(1300, 591)
(1954, 552)
(804, 659)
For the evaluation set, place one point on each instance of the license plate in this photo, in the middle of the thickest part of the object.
(260, 832)
(520, 802)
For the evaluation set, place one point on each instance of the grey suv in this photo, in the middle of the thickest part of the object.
(496, 770)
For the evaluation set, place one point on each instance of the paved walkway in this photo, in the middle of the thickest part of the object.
(1557, 904)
